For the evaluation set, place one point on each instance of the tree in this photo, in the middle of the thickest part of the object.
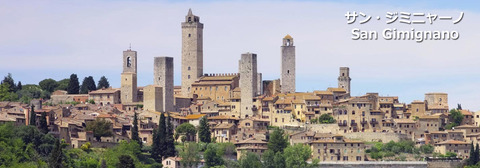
(190, 155)
(73, 85)
(459, 106)
(169, 141)
(457, 118)
(9, 80)
(125, 162)
(56, 157)
(103, 83)
(211, 157)
(43, 123)
(204, 130)
(159, 145)
(48, 85)
(100, 128)
(88, 85)
(63, 84)
(19, 85)
(477, 154)
(278, 141)
(326, 119)
(250, 160)
(296, 156)
(472, 160)
(268, 159)
(33, 117)
(187, 129)
(279, 160)
(135, 136)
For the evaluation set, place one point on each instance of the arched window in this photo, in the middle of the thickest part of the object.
(129, 62)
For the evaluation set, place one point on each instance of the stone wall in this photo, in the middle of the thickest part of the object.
(376, 136)
(393, 164)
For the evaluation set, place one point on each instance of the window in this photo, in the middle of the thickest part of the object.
(188, 76)
(189, 68)
(189, 35)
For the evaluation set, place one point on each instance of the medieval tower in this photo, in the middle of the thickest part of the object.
(163, 77)
(344, 79)
(192, 52)
(288, 65)
(129, 77)
(248, 83)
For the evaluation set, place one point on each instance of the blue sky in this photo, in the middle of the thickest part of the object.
(52, 39)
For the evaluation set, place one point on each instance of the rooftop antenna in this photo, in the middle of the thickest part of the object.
(130, 47)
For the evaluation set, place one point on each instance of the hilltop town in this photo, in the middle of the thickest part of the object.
(243, 109)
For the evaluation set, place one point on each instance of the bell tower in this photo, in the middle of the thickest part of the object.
(288, 65)
(344, 79)
(128, 89)
(192, 52)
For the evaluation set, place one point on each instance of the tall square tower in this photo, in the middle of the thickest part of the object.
(128, 82)
(288, 65)
(192, 52)
(163, 77)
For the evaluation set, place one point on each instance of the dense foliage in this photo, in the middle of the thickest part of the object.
(394, 150)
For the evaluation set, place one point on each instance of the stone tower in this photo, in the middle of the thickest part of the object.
(192, 52)
(129, 77)
(163, 77)
(288, 65)
(248, 83)
(344, 79)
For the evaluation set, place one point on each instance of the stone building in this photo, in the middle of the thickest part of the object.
(216, 86)
(128, 82)
(105, 96)
(153, 98)
(437, 102)
(248, 83)
(344, 79)
(338, 149)
(163, 77)
(271, 87)
(288, 65)
(462, 149)
(192, 52)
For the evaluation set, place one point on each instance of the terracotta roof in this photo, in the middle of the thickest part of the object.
(222, 117)
(337, 90)
(202, 83)
(323, 92)
(466, 112)
(311, 97)
(466, 126)
(194, 116)
(251, 141)
(453, 142)
(223, 126)
(283, 101)
(104, 91)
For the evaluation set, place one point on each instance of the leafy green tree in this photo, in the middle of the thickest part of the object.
(11, 84)
(169, 141)
(73, 85)
(33, 116)
(187, 129)
(88, 85)
(5, 92)
(279, 160)
(296, 156)
(48, 85)
(190, 155)
(56, 158)
(326, 119)
(268, 159)
(125, 162)
(63, 84)
(135, 136)
(204, 133)
(211, 157)
(427, 149)
(112, 155)
(100, 128)
(456, 116)
(250, 160)
(278, 141)
(43, 123)
(103, 83)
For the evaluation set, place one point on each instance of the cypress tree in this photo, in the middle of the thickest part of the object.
(471, 160)
(135, 136)
(156, 146)
(170, 142)
(73, 85)
(103, 83)
(19, 85)
(32, 119)
(204, 130)
(477, 154)
(56, 157)
(162, 132)
(43, 123)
